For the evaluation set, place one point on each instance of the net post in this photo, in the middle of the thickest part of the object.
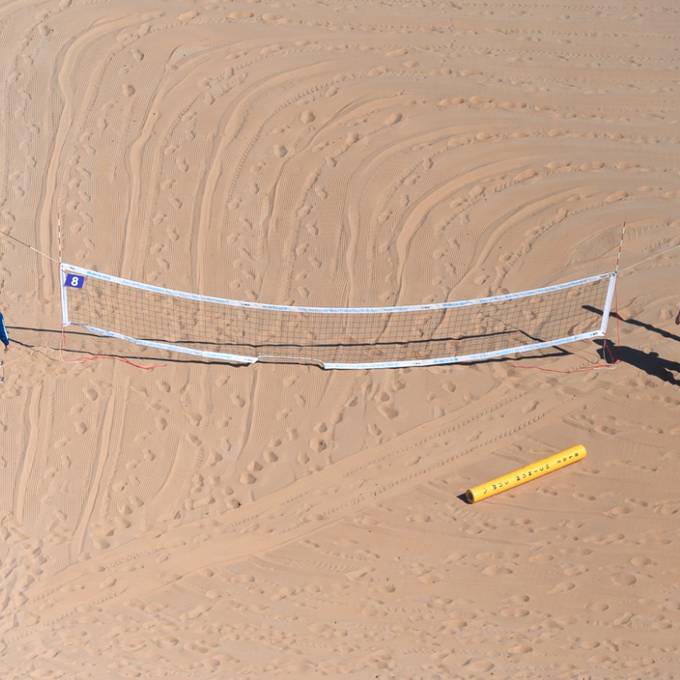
(64, 298)
(608, 303)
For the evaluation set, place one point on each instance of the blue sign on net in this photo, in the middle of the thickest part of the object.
(74, 281)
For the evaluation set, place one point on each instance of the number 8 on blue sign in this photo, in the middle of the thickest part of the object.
(74, 281)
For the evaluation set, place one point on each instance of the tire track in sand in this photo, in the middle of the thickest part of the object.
(306, 506)
(110, 433)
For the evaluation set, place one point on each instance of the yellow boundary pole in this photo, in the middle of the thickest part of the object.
(526, 474)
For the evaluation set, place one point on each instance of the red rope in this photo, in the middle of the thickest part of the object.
(95, 357)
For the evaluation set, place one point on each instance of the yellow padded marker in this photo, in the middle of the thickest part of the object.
(526, 474)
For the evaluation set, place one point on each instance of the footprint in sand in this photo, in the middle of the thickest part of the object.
(624, 579)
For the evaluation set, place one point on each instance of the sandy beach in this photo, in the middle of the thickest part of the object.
(163, 516)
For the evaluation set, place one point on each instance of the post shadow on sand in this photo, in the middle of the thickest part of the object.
(649, 362)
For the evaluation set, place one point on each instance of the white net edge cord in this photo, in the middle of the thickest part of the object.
(260, 318)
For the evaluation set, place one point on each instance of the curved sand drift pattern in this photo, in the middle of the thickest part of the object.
(209, 522)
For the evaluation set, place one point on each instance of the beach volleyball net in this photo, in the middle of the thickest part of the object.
(243, 332)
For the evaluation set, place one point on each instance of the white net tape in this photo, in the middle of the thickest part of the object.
(336, 337)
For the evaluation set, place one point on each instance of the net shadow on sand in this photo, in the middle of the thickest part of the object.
(83, 343)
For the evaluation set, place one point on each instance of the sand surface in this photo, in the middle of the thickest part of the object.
(201, 521)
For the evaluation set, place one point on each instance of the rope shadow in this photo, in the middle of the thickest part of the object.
(634, 322)
(129, 357)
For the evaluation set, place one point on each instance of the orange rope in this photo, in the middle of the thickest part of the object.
(95, 357)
